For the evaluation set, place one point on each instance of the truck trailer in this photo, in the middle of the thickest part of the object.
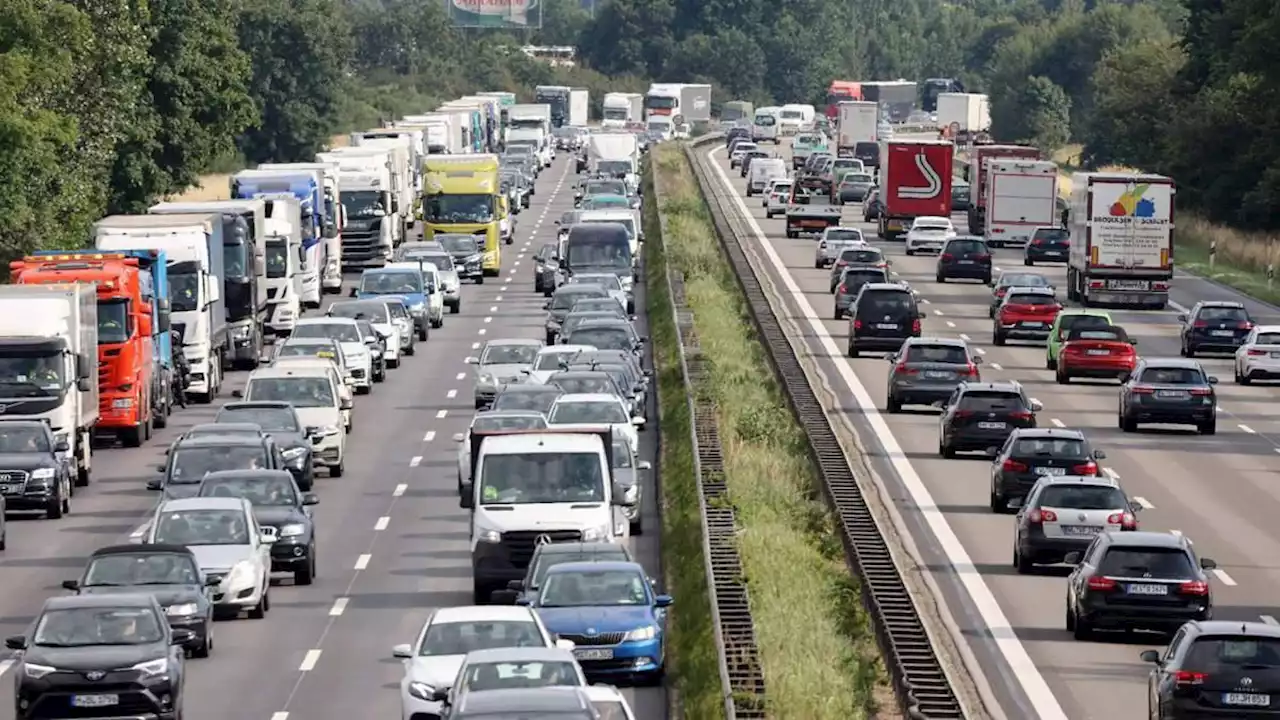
(1022, 195)
(976, 175)
(1121, 227)
(915, 180)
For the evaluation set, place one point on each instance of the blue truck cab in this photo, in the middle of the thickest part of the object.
(304, 185)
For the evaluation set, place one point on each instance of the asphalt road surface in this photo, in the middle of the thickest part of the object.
(1221, 491)
(392, 543)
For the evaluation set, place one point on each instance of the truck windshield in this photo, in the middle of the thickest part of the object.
(235, 261)
(113, 321)
(652, 102)
(541, 478)
(277, 258)
(468, 208)
(616, 113)
(525, 123)
(521, 147)
(613, 167)
(33, 376)
(184, 292)
(362, 203)
(612, 252)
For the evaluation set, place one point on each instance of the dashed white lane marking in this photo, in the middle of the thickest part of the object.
(1145, 503)
(280, 716)
(362, 562)
(1178, 307)
(924, 301)
(979, 350)
(1112, 474)
(309, 660)
(1248, 429)
(493, 309)
(1270, 620)
(431, 435)
(497, 299)
(400, 490)
(415, 461)
(1176, 532)
(950, 324)
(475, 346)
(963, 337)
(481, 332)
(461, 376)
(1057, 423)
(996, 366)
(5, 665)
(440, 414)
(937, 312)
(382, 523)
(1224, 578)
(507, 281)
(451, 394)
(339, 607)
(488, 318)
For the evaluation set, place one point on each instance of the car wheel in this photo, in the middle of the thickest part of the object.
(393, 364)
(1062, 377)
(422, 332)
(455, 308)
(892, 404)
(998, 504)
(1028, 262)
(940, 278)
(997, 338)
(204, 648)
(259, 611)
(1082, 630)
(637, 525)
(337, 470)
(54, 510)
(852, 350)
(1128, 424)
(1021, 563)
(1071, 619)
(1050, 363)
(1209, 428)
(306, 575)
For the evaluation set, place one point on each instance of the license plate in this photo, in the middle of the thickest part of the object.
(966, 262)
(1275, 354)
(1098, 352)
(94, 701)
(887, 326)
(1250, 699)
(1222, 333)
(938, 375)
(593, 654)
(1050, 471)
(1052, 253)
(1078, 530)
(12, 489)
(1171, 394)
(1034, 325)
(991, 425)
(1127, 284)
(1137, 589)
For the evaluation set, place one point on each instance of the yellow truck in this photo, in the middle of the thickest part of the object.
(462, 194)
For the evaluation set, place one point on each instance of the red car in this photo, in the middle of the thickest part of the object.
(1026, 313)
(1097, 352)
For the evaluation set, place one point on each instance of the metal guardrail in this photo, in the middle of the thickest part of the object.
(921, 685)
(741, 676)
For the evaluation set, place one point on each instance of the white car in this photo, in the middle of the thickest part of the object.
(593, 410)
(609, 702)
(231, 548)
(775, 201)
(402, 321)
(318, 348)
(493, 421)
(740, 151)
(378, 315)
(328, 366)
(433, 660)
(355, 352)
(1259, 357)
(549, 360)
(929, 233)
(317, 398)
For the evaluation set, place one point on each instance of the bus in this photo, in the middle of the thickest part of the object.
(841, 91)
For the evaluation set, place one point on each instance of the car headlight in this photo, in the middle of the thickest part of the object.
(241, 573)
(240, 332)
(42, 474)
(632, 493)
(328, 430)
(35, 672)
(648, 632)
(596, 534)
(292, 530)
(294, 453)
(417, 308)
(159, 666)
(182, 609)
(490, 536)
(486, 379)
(421, 690)
(472, 259)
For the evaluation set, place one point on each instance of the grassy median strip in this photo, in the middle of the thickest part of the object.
(819, 655)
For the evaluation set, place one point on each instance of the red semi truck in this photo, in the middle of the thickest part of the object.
(979, 161)
(915, 180)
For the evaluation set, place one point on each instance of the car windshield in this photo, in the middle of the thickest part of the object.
(373, 311)
(552, 360)
(1054, 235)
(1058, 447)
(268, 418)
(1232, 653)
(276, 490)
(548, 477)
(1153, 562)
(460, 638)
(564, 299)
(143, 568)
(509, 354)
(391, 282)
(19, 439)
(515, 675)
(488, 422)
(854, 279)
(538, 398)
(953, 354)
(1172, 376)
(543, 562)
(458, 243)
(1022, 280)
(342, 332)
(1031, 299)
(883, 303)
(861, 256)
(608, 305)
(843, 235)
(1222, 314)
(966, 246)
(190, 465)
(605, 338)
(594, 588)
(858, 179)
(584, 412)
(299, 391)
(608, 282)
(1083, 497)
(202, 527)
(990, 401)
(80, 627)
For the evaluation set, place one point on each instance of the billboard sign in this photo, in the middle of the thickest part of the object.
(501, 14)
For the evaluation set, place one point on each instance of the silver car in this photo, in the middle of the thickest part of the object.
(863, 256)
(854, 187)
(502, 362)
(1062, 514)
(630, 472)
(611, 285)
(927, 370)
(833, 241)
(402, 321)
(491, 421)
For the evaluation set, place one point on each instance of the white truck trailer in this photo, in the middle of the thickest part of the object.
(1022, 195)
(621, 109)
(1121, 227)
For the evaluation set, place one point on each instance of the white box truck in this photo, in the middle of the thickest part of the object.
(1022, 196)
(579, 108)
(963, 115)
(1121, 227)
(856, 124)
(620, 109)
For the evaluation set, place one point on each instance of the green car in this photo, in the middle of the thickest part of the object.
(805, 145)
(1066, 320)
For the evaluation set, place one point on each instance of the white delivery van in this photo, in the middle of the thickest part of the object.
(762, 171)
(765, 125)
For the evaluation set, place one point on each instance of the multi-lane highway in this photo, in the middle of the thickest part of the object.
(1221, 491)
(392, 542)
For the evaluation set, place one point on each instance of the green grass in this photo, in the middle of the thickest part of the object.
(1191, 254)
(817, 648)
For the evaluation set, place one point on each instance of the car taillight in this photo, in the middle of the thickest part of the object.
(1037, 241)
(1201, 392)
(857, 324)
(1188, 677)
(1040, 515)
(902, 369)
(970, 371)
(1195, 587)
(1200, 324)
(1125, 520)
(1001, 292)
(1020, 414)
(1089, 468)
(1014, 466)
(1257, 353)
(841, 263)
(1143, 390)
(983, 257)
(1104, 584)
(843, 289)
(915, 325)
(946, 257)
(1245, 326)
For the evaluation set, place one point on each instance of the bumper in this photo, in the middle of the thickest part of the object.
(627, 659)
(875, 343)
(1023, 332)
(197, 624)
(1035, 255)
(237, 598)
(1093, 367)
(1215, 344)
(1185, 416)
(360, 377)
(970, 439)
(966, 272)
(135, 701)
(912, 393)
(1043, 549)
(287, 556)
(31, 499)
(1100, 614)
(1118, 297)
(1266, 370)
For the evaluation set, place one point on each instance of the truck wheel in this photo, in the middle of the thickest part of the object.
(132, 437)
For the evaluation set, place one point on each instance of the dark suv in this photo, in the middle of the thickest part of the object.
(979, 417)
(1214, 326)
(966, 258)
(882, 317)
(1048, 244)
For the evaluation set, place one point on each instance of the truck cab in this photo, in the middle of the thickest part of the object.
(375, 217)
(332, 219)
(284, 266)
(306, 186)
(464, 196)
(536, 486)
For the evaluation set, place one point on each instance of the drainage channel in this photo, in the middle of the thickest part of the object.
(921, 684)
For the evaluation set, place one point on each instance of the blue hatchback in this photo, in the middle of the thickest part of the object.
(611, 614)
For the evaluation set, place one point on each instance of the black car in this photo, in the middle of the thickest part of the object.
(32, 475)
(1173, 391)
(169, 573)
(965, 257)
(526, 396)
(190, 459)
(128, 662)
(959, 196)
(881, 317)
(1137, 580)
(279, 420)
(1032, 453)
(980, 417)
(1231, 669)
(1047, 244)
(562, 302)
(850, 282)
(1214, 326)
(467, 254)
(545, 266)
(277, 503)
(871, 205)
(549, 555)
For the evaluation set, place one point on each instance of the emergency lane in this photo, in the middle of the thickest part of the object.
(1216, 489)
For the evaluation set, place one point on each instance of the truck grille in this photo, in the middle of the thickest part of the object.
(520, 543)
(609, 638)
(360, 247)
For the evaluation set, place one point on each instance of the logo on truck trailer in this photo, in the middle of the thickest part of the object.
(933, 182)
(1132, 204)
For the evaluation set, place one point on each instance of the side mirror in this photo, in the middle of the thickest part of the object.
(370, 341)
(181, 636)
(1135, 507)
(1133, 343)
(83, 385)
(644, 466)
(1208, 564)
(516, 585)
(637, 421)
(976, 359)
(467, 499)
(663, 601)
(1072, 558)
(620, 495)
(62, 446)
(563, 644)
(1182, 318)
(16, 642)
(438, 694)
(1213, 380)
(471, 360)
(353, 292)
(155, 484)
(237, 394)
(402, 651)
(1151, 656)
(310, 499)
(1099, 454)
(72, 585)
(346, 403)
(1036, 406)
(267, 535)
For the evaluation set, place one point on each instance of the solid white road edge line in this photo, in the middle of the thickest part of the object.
(1006, 640)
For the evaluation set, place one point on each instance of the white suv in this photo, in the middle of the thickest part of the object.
(775, 200)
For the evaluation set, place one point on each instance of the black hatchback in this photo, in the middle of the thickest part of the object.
(1214, 326)
(1048, 244)
(1033, 453)
(980, 417)
(964, 258)
(881, 318)
(1225, 668)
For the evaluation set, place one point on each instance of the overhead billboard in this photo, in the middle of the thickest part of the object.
(500, 14)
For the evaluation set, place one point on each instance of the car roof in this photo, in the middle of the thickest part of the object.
(229, 439)
(203, 503)
(578, 374)
(225, 427)
(586, 397)
(604, 321)
(1186, 363)
(1063, 433)
(326, 319)
(504, 342)
(583, 548)
(1031, 290)
(1233, 627)
(481, 613)
(597, 566)
(252, 404)
(1147, 538)
(148, 549)
(1267, 328)
(933, 219)
(994, 386)
(1222, 304)
(937, 340)
(247, 474)
(108, 600)
(519, 654)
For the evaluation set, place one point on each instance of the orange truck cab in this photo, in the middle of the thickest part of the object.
(128, 310)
